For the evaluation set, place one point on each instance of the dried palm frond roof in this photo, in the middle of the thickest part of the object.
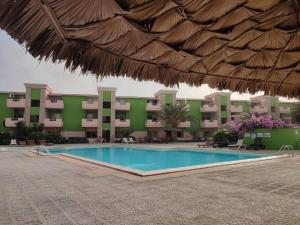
(240, 45)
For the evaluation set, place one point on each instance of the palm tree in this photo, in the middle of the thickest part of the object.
(172, 115)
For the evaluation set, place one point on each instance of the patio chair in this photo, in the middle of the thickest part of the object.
(257, 144)
(13, 142)
(125, 141)
(239, 144)
(22, 143)
(131, 141)
(42, 142)
(202, 145)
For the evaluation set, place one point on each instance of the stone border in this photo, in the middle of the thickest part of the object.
(163, 171)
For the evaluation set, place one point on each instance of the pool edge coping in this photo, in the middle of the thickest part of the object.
(163, 171)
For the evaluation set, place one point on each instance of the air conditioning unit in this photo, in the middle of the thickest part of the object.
(11, 95)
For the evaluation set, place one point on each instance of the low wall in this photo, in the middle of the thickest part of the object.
(273, 139)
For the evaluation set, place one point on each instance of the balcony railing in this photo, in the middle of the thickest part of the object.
(153, 107)
(209, 123)
(209, 108)
(236, 108)
(152, 123)
(87, 123)
(12, 122)
(53, 122)
(57, 104)
(184, 124)
(124, 106)
(15, 103)
(87, 105)
(259, 109)
(284, 109)
(122, 123)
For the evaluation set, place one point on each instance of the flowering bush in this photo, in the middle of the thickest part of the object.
(240, 125)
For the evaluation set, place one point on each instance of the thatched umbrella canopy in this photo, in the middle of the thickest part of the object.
(240, 45)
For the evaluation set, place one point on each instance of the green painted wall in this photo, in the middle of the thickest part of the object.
(4, 111)
(72, 113)
(168, 98)
(224, 114)
(279, 137)
(35, 93)
(106, 96)
(106, 112)
(195, 113)
(137, 113)
(223, 100)
(274, 101)
(35, 111)
(106, 126)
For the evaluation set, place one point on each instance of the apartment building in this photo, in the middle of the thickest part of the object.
(105, 114)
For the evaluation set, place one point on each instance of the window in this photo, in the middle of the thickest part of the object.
(34, 119)
(35, 103)
(91, 134)
(224, 120)
(273, 109)
(179, 134)
(121, 115)
(223, 107)
(297, 118)
(106, 119)
(106, 105)
(152, 101)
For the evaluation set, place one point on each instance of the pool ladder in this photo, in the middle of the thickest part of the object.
(288, 148)
(42, 149)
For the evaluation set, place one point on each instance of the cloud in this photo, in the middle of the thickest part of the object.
(19, 67)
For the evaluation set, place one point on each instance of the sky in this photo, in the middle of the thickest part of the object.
(18, 67)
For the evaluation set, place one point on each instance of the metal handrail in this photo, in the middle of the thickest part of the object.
(289, 148)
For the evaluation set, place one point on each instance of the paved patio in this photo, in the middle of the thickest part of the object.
(52, 190)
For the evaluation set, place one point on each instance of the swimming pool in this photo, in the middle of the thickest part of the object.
(146, 159)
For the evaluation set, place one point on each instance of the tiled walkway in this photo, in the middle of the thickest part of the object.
(48, 190)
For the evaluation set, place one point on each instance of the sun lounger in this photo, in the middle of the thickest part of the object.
(125, 141)
(202, 145)
(131, 141)
(239, 144)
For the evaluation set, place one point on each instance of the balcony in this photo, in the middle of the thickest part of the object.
(152, 107)
(236, 108)
(209, 108)
(89, 123)
(87, 105)
(53, 123)
(210, 123)
(15, 103)
(57, 104)
(153, 124)
(123, 106)
(184, 124)
(284, 109)
(122, 123)
(259, 109)
(10, 122)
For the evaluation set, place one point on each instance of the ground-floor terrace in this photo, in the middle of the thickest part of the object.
(55, 190)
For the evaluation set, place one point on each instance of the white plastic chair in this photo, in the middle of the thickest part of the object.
(239, 144)
(125, 141)
(13, 142)
(131, 140)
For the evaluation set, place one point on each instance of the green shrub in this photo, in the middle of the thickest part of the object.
(224, 137)
(5, 138)
(54, 138)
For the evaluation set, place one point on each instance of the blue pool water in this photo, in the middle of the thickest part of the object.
(148, 159)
